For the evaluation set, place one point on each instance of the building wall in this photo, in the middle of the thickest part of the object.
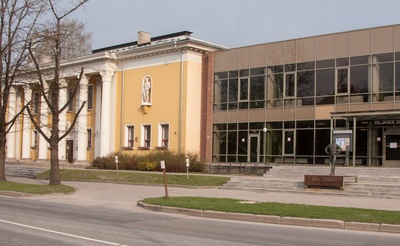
(314, 63)
(165, 73)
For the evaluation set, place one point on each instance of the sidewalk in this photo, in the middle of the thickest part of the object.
(125, 195)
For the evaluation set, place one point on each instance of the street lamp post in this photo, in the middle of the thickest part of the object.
(265, 136)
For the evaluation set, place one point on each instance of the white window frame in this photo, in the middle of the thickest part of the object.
(89, 144)
(161, 131)
(127, 139)
(90, 98)
(35, 139)
(146, 142)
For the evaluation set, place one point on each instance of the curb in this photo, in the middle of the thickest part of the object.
(272, 219)
(13, 193)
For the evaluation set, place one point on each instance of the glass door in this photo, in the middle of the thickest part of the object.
(391, 157)
(289, 142)
(253, 148)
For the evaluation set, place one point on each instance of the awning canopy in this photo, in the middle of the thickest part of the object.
(368, 115)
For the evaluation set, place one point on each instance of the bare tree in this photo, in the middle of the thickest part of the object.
(54, 38)
(18, 19)
(74, 42)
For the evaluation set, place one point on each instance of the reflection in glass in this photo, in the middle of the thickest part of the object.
(305, 84)
(275, 86)
(383, 76)
(342, 80)
(325, 82)
(289, 139)
(233, 90)
(326, 63)
(257, 88)
(244, 89)
(289, 84)
(388, 57)
(359, 76)
(304, 142)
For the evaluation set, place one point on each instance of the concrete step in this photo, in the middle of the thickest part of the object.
(28, 172)
(371, 189)
(297, 172)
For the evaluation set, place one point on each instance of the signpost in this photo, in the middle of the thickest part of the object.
(344, 138)
(162, 163)
(116, 163)
(187, 168)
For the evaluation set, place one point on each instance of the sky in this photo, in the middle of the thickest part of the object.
(232, 23)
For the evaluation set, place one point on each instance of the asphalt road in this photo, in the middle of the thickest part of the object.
(37, 222)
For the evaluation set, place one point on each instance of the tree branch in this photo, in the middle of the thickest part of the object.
(37, 126)
(73, 122)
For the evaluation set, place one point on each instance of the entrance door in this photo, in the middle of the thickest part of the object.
(391, 155)
(70, 151)
(253, 148)
(289, 142)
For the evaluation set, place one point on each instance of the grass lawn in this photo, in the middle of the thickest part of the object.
(35, 189)
(202, 203)
(279, 209)
(138, 177)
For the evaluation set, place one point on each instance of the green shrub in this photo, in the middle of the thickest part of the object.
(146, 166)
(174, 162)
(106, 162)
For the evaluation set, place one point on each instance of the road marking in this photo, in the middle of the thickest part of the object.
(61, 233)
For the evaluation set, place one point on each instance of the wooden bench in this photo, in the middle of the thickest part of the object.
(324, 181)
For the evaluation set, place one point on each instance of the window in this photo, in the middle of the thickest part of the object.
(146, 136)
(89, 138)
(359, 79)
(220, 94)
(164, 141)
(129, 136)
(325, 83)
(342, 80)
(244, 89)
(290, 79)
(305, 83)
(257, 92)
(70, 100)
(233, 94)
(90, 97)
(35, 140)
(36, 102)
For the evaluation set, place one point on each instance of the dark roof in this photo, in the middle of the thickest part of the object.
(119, 46)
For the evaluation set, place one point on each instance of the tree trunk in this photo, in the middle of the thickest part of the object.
(3, 141)
(54, 162)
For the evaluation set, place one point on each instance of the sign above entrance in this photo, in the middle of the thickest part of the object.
(386, 122)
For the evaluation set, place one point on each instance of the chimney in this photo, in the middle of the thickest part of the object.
(143, 38)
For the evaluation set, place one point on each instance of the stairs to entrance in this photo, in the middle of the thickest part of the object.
(372, 181)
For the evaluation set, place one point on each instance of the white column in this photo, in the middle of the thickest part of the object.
(63, 120)
(12, 107)
(81, 124)
(26, 134)
(43, 144)
(18, 124)
(105, 145)
(98, 119)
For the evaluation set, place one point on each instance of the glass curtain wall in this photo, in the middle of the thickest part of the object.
(348, 80)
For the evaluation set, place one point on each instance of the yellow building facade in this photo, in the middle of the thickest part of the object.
(142, 96)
